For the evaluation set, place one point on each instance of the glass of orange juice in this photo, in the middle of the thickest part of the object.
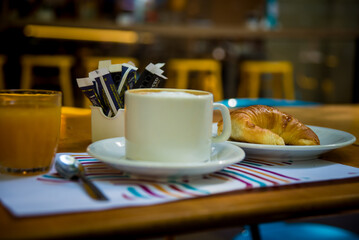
(29, 130)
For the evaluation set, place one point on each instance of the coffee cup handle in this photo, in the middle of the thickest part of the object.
(227, 128)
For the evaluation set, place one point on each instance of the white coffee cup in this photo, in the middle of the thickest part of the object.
(171, 125)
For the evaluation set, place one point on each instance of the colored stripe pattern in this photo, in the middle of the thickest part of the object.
(249, 174)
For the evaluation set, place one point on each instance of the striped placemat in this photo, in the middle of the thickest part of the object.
(51, 194)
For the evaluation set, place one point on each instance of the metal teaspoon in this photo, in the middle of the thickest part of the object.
(69, 168)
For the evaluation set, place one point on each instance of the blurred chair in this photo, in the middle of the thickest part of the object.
(282, 78)
(296, 231)
(179, 69)
(63, 63)
(91, 63)
(2, 80)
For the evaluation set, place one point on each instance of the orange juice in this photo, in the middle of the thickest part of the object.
(29, 132)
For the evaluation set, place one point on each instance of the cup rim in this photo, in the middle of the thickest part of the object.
(30, 91)
(198, 93)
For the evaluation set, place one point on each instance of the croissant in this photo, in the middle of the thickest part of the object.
(267, 125)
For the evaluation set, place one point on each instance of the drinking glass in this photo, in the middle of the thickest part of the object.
(29, 130)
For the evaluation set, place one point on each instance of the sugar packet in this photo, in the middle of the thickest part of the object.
(107, 88)
(151, 77)
(88, 88)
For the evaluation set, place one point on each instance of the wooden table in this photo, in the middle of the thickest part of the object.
(224, 210)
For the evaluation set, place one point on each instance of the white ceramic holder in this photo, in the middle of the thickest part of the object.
(103, 127)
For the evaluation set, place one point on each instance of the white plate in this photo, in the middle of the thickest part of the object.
(330, 139)
(112, 152)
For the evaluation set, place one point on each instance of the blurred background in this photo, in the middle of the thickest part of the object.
(317, 38)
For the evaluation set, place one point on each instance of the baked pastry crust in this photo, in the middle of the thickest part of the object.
(267, 125)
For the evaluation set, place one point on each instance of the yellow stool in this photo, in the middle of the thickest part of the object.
(2, 81)
(179, 69)
(91, 63)
(251, 72)
(63, 63)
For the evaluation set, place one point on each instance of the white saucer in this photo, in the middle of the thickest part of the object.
(330, 139)
(112, 152)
